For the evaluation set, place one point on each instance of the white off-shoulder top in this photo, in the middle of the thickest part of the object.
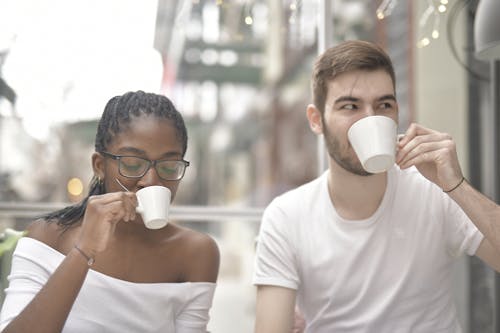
(107, 304)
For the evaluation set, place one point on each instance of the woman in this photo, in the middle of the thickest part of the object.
(94, 266)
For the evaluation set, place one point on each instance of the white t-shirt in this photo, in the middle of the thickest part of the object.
(388, 273)
(107, 304)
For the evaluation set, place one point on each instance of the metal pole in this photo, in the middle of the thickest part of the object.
(325, 26)
(1, 140)
(325, 33)
(495, 107)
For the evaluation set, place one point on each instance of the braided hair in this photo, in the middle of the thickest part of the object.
(118, 113)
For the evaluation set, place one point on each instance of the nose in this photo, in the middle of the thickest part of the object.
(369, 111)
(150, 178)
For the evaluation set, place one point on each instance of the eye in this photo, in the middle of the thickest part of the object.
(168, 169)
(349, 107)
(132, 163)
(386, 105)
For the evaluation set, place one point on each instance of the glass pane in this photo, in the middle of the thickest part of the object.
(241, 77)
(238, 71)
(242, 121)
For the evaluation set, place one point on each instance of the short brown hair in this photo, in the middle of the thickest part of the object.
(345, 57)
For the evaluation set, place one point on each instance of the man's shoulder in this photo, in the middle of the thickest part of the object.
(412, 179)
(305, 192)
(298, 201)
(410, 186)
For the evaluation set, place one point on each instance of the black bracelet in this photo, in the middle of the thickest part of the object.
(459, 183)
(90, 260)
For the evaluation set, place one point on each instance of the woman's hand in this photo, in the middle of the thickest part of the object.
(102, 214)
(433, 153)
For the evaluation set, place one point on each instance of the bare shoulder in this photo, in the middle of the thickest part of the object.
(197, 241)
(49, 233)
(202, 254)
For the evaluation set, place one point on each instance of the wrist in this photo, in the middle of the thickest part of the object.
(87, 256)
(451, 189)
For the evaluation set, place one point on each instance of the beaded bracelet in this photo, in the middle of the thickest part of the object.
(459, 183)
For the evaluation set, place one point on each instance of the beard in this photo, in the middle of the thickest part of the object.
(340, 153)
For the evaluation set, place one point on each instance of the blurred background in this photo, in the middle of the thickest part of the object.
(239, 72)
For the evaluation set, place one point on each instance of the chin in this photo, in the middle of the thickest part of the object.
(353, 167)
(362, 173)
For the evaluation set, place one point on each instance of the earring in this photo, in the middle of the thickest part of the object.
(100, 182)
(100, 185)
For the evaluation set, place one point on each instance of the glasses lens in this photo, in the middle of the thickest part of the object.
(170, 170)
(131, 166)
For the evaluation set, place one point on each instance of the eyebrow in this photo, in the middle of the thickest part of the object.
(355, 99)
(346, 99)
(386, 97)
(131, 150)
(140, 152)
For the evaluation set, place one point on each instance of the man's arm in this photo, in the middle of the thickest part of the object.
(486, 216)
(434, 155)
(275, 309)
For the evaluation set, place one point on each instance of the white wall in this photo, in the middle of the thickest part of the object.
(441, 104)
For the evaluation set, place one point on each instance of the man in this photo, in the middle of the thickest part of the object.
(368, 252)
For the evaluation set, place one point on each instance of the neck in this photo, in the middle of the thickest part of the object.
(135, 231)
(355, 197)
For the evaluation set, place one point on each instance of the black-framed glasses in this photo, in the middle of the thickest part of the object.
(136, 167)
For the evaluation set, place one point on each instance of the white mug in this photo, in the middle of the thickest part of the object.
(374, 140)
(154, 205)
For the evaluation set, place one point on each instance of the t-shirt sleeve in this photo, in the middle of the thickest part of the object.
(461, 233)
(275, 261)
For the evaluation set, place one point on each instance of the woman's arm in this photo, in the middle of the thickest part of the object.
(202, 269)
(46, 312)
(202, 258)
(50, 306)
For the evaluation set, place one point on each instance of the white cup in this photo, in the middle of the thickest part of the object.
(154, 205)
(374, 141)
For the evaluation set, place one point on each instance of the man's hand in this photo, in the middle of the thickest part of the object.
(433, 153)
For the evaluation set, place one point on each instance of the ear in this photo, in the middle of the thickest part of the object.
(98, 165)
(314, 117)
